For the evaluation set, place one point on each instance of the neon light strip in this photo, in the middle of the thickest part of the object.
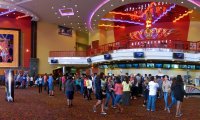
(95, 10)
(164, 13)
(19, 17)
(113, 26)
(7, 12)
(194, 2)
(122, 21)
(183, 15)
(133, 15)
(125, 14)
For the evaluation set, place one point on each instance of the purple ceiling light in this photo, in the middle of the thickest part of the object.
(66, 11)
(95, 10)
(196, 2)
(164, 13)
(7, 12)
(122, 21)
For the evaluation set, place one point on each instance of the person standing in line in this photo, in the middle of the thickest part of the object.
(89, 88)
(166, 87)
(63, 80)
(126, 91)
(50, 84)
(45, 81)
(179, 93)
(70, 87)
(173, 99)
(40, 83)
(145, 87)
(153, 86)
(99, 93)
(85, 87)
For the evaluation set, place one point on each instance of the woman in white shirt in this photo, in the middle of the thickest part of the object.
(126, 91)
(153, 86)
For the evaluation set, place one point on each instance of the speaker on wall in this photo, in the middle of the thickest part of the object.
(89, 60)
(34, 66)
(54, 60)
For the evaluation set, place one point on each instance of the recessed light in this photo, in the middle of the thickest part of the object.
(111, 5)
(75, 5)
(77, 11)
(56, 13)
(52, 7)
(195, 8)
(97, 15)
(71, 23)
(95, 20)
(78, 16)
(64, 6)
(193, 17)
(103, 10)
(64, 24)
(85, 23)
(58, 17)
(14, 13)
(78, 23)
(182, 2)
(122, 0)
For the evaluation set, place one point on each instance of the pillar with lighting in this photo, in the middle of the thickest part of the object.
(9, 83)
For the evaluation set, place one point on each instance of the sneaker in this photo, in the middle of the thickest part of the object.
(94, 109)
(103, 113)
(106, 108)
(114, 107)
(180, 114)
(168, 110)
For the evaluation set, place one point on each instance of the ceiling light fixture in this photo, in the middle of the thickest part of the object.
(122, 21)
(19, 17)
(164, 13)
(7, 12)
(196, 2)
(112, 26)
(66, 11)
(180, 17)
(94, 11)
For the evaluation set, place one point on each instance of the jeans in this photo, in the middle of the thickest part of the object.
(151, 102)
(166, 99)
(108, 95)
(173, 100)
(117, 99)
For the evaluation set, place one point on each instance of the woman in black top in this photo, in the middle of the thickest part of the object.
(179, 94)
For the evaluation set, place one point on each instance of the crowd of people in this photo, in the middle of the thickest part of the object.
(120, 89)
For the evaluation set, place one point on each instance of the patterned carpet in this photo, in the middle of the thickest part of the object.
(30, 105)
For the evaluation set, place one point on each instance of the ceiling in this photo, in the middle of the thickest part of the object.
(87, 13)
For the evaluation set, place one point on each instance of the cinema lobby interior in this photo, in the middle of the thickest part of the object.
(100, 59)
